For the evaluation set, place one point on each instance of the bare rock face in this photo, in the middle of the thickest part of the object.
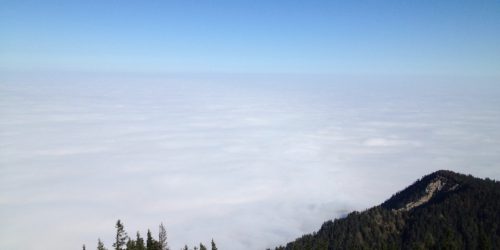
(433, 187)
(423, 191)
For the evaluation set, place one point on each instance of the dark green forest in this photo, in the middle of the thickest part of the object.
(123, 242)
(463, 213)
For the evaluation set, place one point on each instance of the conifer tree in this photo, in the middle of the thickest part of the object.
(83, 247)
(149, 241)
(151, 244)
(100, 245)
(131, 244)
(162, 238)
(214, 247)
(202, 247)
(121, 236)
(139, 242)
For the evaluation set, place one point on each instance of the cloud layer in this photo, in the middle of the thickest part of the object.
(250, 161)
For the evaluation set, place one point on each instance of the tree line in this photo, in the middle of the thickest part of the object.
(123, 242)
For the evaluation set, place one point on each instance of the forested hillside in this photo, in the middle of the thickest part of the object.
(443, 210)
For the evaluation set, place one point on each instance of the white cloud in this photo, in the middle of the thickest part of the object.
(251, 164)
(70, 151)
(383, 142)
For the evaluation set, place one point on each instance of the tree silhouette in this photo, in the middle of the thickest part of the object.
(100, 245)
(139, 242)
(162, 238)
(214, 247)
(121, 236)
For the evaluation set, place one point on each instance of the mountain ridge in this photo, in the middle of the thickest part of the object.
(436, 183)
(441, 210)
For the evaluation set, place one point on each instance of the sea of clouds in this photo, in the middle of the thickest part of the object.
(251, 161)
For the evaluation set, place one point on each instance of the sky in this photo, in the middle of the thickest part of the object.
(249, 122)
(341, 37)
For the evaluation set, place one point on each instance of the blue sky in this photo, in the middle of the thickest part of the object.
(332, 37)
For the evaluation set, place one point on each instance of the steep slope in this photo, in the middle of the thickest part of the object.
(443, 210)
